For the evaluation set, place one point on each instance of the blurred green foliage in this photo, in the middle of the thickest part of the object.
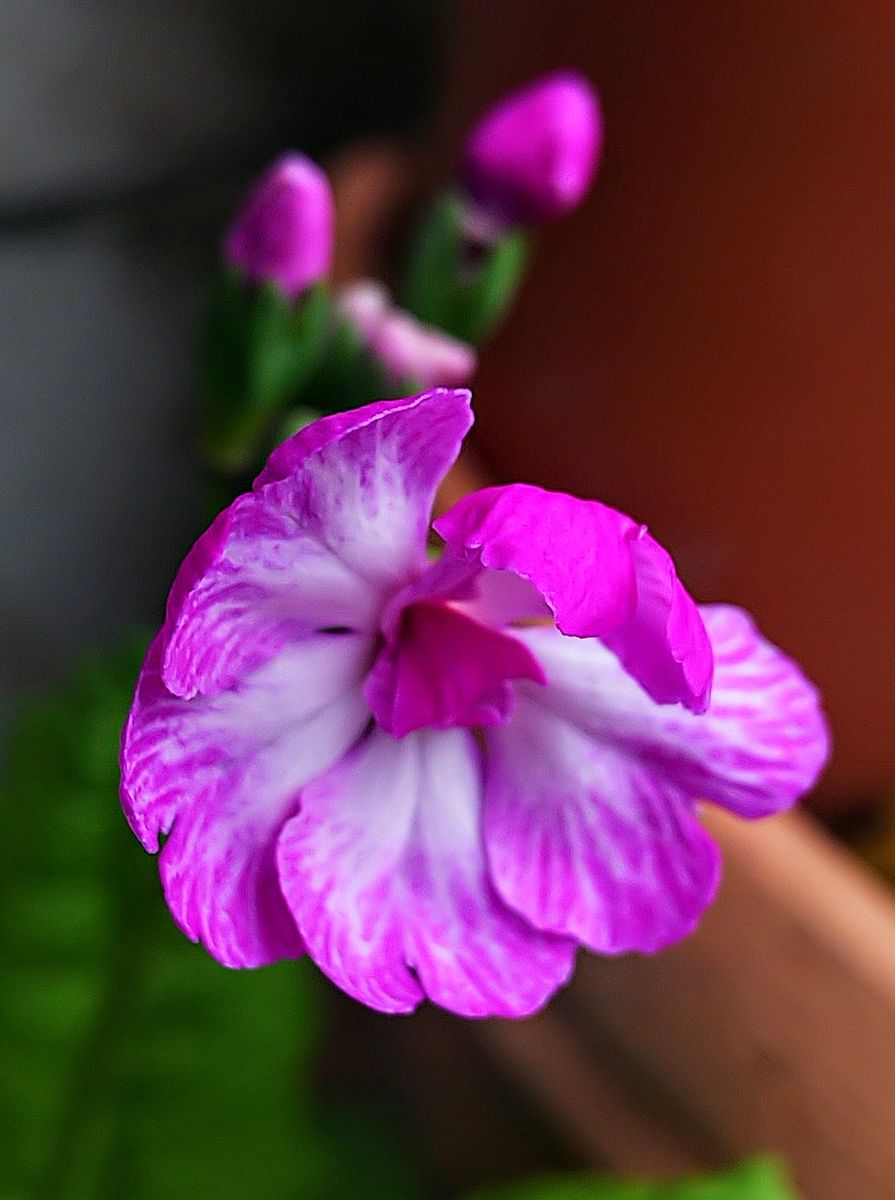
(131, 1064)
(445, 286)
(761, 1179)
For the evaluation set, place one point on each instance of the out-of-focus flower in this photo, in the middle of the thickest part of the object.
(533, 156)
(407, 351)
(284, 233)
(439, 779)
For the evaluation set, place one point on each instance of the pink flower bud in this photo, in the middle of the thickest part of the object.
(408, 351)
(533, 156)
(284, 232)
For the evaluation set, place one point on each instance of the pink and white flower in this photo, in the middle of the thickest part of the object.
(440, 778)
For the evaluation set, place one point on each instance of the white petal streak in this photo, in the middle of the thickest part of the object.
(758, 748)
(383, 869)
(221, 774)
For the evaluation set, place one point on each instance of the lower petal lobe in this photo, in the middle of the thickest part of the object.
(591, 787)
(589, 843)
(383, 869)
(221, 774)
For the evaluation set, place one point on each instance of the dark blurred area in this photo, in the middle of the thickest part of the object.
(128, 133)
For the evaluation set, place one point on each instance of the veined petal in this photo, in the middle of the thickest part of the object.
(363, 482)
(591, 786)
(253, 583)
(759, 747)
(337, 521)
(383, 870)
(224, 772)
(601, 574)
(589, 843)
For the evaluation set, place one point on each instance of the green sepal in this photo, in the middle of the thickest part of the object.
(347, 376)
(456, 286)
(260, 351)
(758, 1179)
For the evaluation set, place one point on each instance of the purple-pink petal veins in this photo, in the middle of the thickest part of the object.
(585, 842)
(591, 786)
(284, 233)
(338, 520)
(533, 156)
(406, 349)
(265, 583)
(384, 872)
(220, 775)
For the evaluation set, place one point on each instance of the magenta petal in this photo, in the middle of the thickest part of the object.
(591, 786)
(575, 552)
(339, 519)
(363, 482)
(383, 870)
(664, 645)
(253, 583)
(601, 574)
(764, 740)
(223, 773)
(445, 669)
(586, 842)
(759, 747)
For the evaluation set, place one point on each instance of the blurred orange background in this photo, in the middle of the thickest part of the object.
(710, 342)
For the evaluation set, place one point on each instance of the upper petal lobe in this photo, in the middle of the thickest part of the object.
(601, 574)
(363, 482)
(261, 584)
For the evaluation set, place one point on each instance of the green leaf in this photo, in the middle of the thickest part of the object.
(457, 287)
(132, 1065)
(759, 1179)
(260, 351)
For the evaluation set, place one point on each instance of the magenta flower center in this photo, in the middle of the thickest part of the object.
(441, 668)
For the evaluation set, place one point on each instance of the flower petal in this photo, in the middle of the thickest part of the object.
(225, 772)
(601, 574)
(383, 870)
(575, 552)
(760, 746)
(664, 645)
(252, 584)
(594, 783)
(589, 843)
(443, 669)
(363, 482)
(338, 519)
